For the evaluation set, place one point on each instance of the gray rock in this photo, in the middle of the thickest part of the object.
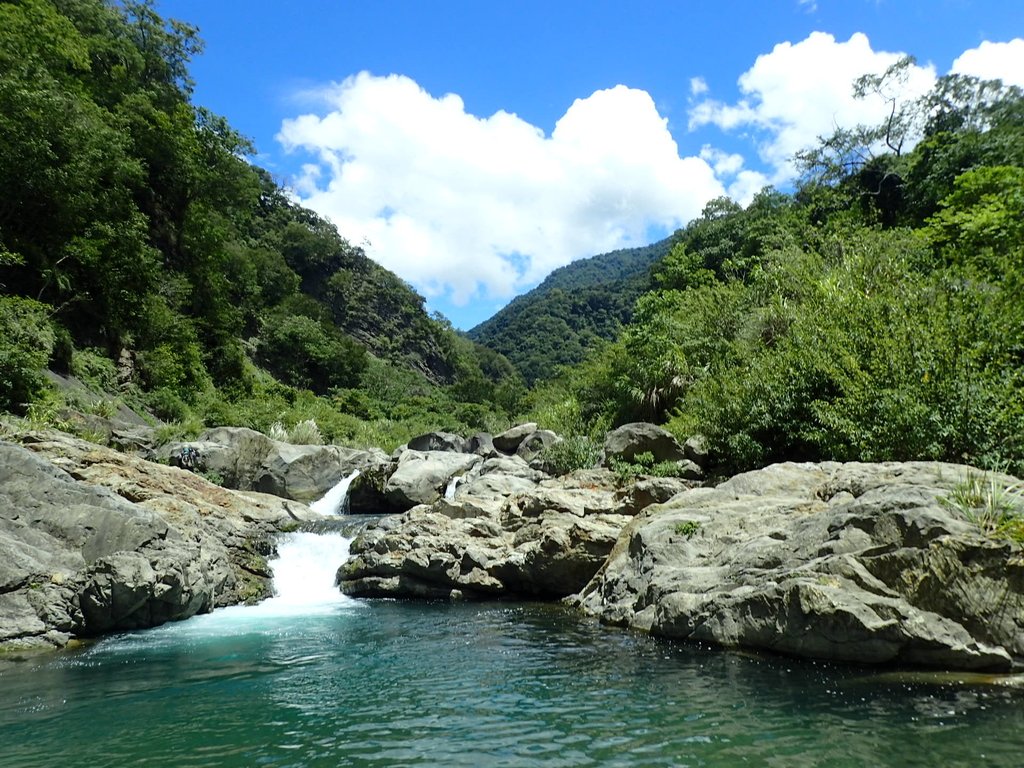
(92, 541)
(696, 450)
(508, 441)
(502, 535)
(247, 460)
(422, 476)
(482, 444)
(646, 491)
(630, 440)
(535, 442)
(855, 562)
(439, 441)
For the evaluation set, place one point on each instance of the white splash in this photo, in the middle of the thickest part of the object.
(304, 571)
(449, 492)
(333, 502)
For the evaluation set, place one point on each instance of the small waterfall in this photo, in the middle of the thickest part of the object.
(305, 568)
(335, 501)
(449, 492)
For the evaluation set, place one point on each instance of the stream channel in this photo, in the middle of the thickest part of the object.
(313, 678)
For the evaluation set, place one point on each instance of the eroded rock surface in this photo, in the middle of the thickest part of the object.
(856, 562)
(507, 533)
(92, 540)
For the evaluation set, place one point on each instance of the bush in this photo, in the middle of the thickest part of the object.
(26, 340)
(576, 452)
(94, 369)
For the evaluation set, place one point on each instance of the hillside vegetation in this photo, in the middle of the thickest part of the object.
(875, 313)
(140, 251)
(576, 309)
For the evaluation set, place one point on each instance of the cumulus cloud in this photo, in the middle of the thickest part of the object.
(994, 61)
(466, 206)
(801, 91)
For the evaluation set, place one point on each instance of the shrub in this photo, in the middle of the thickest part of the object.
(986, 500)
(26, 341)
(94, 369)
(576, 452)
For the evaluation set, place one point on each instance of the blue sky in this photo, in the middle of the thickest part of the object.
(472, 147)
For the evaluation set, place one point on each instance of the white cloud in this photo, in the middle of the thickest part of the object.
(470, 207)
(802, 91)
(698, 86)
(994, 61)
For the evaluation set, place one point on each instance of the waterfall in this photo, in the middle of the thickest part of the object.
(335, 501)
(305, 568)
(449, 492)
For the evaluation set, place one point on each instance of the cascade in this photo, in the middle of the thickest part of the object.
(449, 492)
(305, 568)
(335, 501)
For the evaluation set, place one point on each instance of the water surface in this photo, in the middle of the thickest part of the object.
(336, 682)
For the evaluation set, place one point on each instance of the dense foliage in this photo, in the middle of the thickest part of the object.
(575, 310)
(132, 229)
(875, 313)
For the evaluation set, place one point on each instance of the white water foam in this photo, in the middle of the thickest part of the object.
(453, 484)
(333, 502)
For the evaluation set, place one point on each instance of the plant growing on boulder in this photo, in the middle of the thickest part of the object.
(988, 502)
(644, 464)
(572, 453)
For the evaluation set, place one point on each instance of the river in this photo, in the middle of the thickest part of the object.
(312, 678)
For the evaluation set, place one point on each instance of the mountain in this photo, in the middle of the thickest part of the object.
(137, 241)
(576, 308)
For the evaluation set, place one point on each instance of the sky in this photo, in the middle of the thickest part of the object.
(472, 147)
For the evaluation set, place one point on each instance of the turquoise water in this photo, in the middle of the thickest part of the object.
(346, 683)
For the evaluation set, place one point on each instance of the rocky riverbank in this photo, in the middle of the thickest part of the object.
(95, 541)
(873, 563)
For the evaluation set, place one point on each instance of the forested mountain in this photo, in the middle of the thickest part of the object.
(576, 308)
(875, 313)
(136, 242)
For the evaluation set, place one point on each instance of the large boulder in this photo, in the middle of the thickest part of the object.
(534, 444)
(92, 540)
(439, 441)
(422, 476)
(630, 440)
(243, 459)
(855, 562)
(508, 442)
(502, 535)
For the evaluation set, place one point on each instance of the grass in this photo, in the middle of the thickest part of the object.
(687, 528)
(986, 500)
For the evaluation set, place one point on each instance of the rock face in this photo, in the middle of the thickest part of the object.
(855, 562)
(422, 476)
(503, 535)
(93, 541)
(250, 461)
(439, 441)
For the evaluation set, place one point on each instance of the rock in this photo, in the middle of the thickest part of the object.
(630, 440)
(438, 441)
(535, 442)
(853, 562)
(482, 444)
(511, 466)
(695, 449)
(92, 541)
(508, 442)
(649, 490)
(492, 540)
(243, 459)
(422, 476)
